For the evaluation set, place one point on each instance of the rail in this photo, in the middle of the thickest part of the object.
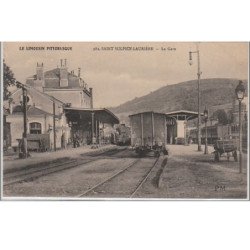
(30, 174)
(138, 186)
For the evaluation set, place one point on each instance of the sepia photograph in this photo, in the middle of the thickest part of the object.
(125, 120)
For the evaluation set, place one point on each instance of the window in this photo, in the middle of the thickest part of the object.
(35, 128)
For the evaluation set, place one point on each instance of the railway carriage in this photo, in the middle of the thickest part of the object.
(148, 132)
(214, 133)
(225, 132)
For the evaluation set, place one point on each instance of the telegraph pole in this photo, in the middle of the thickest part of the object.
(199, 98)
(92, 127)
(25, 150)
(240, 92)
(240, 137)
(23, 144)
(206, 118)
(199, 81)
(54, 124)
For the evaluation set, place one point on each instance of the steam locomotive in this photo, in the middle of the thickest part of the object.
(121, 136)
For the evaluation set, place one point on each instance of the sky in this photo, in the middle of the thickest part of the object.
(121, 71)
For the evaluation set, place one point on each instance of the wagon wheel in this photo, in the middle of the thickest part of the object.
(216, 156)
(235, 156)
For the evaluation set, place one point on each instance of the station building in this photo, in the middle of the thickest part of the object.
(58, 97)
(63, 85)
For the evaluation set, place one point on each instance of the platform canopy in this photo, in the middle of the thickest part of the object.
(102, 114)
(147, 112)
(183, 115)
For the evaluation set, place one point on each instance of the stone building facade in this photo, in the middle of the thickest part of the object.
(64, 85)
(58, 97)
(39, 118)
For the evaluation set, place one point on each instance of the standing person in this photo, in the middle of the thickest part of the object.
(42, 145)
(77, 140)
(63, 140)
(165, 150)
(74, 140)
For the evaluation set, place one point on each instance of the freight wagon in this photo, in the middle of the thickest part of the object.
(148, 132)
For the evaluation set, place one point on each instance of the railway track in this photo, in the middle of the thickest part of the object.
(144, 179)
(109, 179)
(32, 173)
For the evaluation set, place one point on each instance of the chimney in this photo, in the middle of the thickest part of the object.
(79, 72)
(39, 71)
(64, 82)
(10, 106)
(91, 98)
(39, 81)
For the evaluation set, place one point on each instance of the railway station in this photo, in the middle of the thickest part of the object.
(59, 112)
(57, 143)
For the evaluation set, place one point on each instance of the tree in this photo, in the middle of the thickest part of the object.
(230, 117)
(8, 80)
(221, 115)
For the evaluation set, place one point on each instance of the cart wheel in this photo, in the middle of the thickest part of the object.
(228, 156)
(216, 156)
(235, 156)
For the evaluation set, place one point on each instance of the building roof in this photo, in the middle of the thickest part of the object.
(36, 111)
(50, 97)
(52, 80)
(31, 111)
(102, 114)
(183, 114)
(148, 112)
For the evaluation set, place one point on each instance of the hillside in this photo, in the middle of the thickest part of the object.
(215, 93)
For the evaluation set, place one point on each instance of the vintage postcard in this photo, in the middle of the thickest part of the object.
(125, 120)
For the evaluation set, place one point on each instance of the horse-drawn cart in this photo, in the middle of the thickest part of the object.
(228, 147)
